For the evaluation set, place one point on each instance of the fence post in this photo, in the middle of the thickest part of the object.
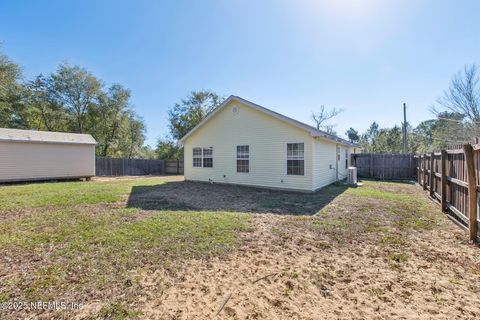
(425, 171)
(383, 166)
(371, 165)
(419, 170)
(472, 192)
(444, 180)
(431, 176)
(412, 166)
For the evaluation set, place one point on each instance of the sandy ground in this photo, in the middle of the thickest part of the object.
(302, 277)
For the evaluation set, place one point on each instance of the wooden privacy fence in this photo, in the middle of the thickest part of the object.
(105, 166)
(452, 177)
(174, 166)
(385, 166)
(127, 167)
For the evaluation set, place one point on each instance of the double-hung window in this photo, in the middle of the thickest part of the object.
(243, 158)
(203, 157)
(295, 159)
(197, 157)
(208, 157)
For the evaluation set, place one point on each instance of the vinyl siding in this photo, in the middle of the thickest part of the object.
(267, 138)
(342, 171)
(21, 161)
(324, 162)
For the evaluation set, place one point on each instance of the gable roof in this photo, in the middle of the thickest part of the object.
(314, 132)
(18, 135)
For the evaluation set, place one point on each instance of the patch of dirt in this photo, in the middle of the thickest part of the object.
(189, 195)
(306, 276)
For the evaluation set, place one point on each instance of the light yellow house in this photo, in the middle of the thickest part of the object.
(243, 143)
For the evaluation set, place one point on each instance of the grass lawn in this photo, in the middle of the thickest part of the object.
(167, 249)
(34, 195)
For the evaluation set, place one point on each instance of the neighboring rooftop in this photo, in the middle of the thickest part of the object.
(18, 135)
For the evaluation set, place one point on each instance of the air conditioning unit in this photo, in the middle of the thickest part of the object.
(352, 176)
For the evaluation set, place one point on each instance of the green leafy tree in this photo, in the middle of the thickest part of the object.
(45, 113)
(183, 117)
(13, 113)
(352, 135)
(73, 100)
(168, 149)
(367, 140)
(132, 136)
(186, 114)
(389, 140)
(147, 152)
(78, 91)
(111, 113)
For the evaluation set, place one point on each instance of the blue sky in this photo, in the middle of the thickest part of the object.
(365, 56)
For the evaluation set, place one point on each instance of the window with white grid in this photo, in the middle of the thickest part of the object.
(208, 157)
(295, 159)
(197, 157)
(243, 158)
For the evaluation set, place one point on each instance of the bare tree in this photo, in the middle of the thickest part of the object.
(463, 95)
(463, 98)
(323, 115)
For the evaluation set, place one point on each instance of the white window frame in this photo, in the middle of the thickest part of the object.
(295, 157)
(346, 158)
(241, 158)
(197, 156)
(207, 157)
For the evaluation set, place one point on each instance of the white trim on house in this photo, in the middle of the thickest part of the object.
(311, 130)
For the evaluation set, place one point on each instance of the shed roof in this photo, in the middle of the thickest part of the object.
(314, 132)
(18, 135)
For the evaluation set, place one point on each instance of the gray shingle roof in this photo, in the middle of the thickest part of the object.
(18, 135)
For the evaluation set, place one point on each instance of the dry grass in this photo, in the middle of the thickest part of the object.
(164, 249)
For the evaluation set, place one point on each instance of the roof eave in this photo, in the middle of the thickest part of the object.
(49, 142)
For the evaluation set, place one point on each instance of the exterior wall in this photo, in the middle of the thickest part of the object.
(267, 138)
(324, 163)
(324, 156)
(342, 168)
(22, 161)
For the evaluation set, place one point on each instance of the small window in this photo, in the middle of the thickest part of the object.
(295, 159)
(197, 157)
(346, 159)
(208, 157)
(243, 159)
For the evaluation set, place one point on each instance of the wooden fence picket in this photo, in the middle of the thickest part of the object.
(452, 177)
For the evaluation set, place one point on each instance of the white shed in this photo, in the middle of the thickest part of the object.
(241, 142)
(28, 155)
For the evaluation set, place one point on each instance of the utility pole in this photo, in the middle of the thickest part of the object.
(405, 140)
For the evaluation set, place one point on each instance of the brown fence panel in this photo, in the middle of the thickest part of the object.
(455, 189)
(385, 166)
(452, 177)
(105, 166)
(174, 166)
